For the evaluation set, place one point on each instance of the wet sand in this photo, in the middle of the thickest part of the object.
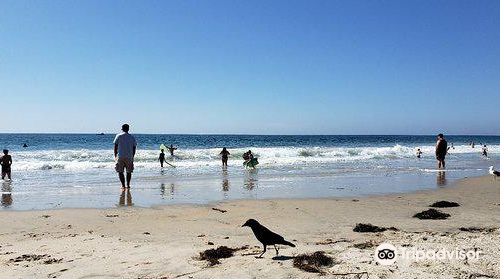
(164, 242)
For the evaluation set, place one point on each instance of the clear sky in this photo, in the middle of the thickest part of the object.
(253, 67)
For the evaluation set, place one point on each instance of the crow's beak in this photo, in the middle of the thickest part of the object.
(245, 225)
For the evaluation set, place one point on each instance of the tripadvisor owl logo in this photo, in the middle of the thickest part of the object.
(386, 254)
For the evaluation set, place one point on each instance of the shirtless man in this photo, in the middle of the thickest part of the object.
(441, 150)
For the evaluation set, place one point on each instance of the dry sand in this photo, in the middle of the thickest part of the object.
(164, 242)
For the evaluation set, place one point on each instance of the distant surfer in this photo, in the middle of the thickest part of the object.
(419, 153)
(472, 144)
(224, 155)
(161, 158)
(124, 151)
(485, 151)
(6, 162)
(441, 150)
(171, 149)
(25, 145)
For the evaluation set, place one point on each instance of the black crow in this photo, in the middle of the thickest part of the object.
(266, 236)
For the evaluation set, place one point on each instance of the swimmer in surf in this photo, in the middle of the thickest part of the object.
(171, 149)
(485, 151)
(419, 153)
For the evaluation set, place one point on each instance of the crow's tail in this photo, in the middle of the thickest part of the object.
(288, 243)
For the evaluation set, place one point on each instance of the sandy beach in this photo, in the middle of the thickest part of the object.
(165, 242)
(186, 139)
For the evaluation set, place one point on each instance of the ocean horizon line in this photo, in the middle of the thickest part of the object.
(244, 134)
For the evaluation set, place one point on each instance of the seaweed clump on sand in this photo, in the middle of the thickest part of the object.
(364, 245)
(314, 262)
(432, 214)
(476, 229)
(443, 204)
(212, 256)
(362, 228)
(29, 258)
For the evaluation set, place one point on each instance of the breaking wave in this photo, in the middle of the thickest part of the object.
(86, 159)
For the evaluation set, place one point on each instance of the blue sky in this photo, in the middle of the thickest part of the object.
(253, 67)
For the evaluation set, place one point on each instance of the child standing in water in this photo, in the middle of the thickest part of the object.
(6, 162)
(161, 158)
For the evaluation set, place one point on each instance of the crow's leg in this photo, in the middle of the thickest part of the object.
(277, 250)
(260, 256)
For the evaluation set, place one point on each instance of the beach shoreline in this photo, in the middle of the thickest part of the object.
(164, 241)
(77, 171)
(342, 193)
(169, 190)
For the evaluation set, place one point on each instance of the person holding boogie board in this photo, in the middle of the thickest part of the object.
(162, 158)
(250, 161)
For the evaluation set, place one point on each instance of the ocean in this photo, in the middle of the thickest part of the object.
(77, 170)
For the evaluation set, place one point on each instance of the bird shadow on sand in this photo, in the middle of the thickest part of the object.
(283, 258)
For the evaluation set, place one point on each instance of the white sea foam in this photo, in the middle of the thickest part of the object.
(85, 159)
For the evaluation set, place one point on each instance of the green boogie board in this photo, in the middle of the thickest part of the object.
(254, 162)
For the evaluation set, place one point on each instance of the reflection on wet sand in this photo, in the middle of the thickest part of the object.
(225, 185)
(163, 190)
(251, 180)
(441, 179)
(7, 194)
(225, 181)
(129, 198)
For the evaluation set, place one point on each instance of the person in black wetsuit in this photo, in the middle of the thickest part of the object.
(485, 151)
(441, 150)
(161, 158)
